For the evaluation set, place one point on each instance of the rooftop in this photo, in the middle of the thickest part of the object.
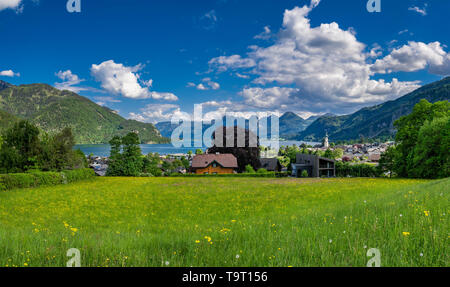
(224, 160)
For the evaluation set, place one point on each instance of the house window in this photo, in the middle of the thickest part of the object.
(214, 173)
(206, 173)
(214, 164)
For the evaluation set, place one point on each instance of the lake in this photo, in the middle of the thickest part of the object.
(163, 149)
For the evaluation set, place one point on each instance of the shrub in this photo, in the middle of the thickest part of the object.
(268, 174)
(249, 169)
(26, 180)
(35, 179)
(304, 174)
(282, 174)
(78, 174)
(356, 170)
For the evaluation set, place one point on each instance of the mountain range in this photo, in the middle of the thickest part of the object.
(52, 110)
(376, 121)
(290, 125)
(371, 122)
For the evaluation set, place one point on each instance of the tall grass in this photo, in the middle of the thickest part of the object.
(227, 222)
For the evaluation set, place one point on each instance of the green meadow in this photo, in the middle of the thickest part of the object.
(227, 222)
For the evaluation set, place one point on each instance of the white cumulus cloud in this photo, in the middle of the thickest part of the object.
(415, 56)
(9, 73)
(264, 35)
(10, 4)
(224, 63)
(314, 68)
(119, 79)
(70, 82)
(154, 113)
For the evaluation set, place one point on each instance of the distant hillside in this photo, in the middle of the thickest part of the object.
(4, 85)
(6, 121)
(52, 110)
(377, 121)
(291, 125)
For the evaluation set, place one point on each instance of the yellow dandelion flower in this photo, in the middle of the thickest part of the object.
(406, 233)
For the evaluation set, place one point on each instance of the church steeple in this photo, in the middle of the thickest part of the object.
(325, 142)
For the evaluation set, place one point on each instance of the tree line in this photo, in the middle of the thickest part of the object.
(126, 159)
(24, 148)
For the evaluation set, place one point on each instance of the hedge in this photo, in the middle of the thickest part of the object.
(356, 170)
(268, 174)
(78, 174)
(36, 179)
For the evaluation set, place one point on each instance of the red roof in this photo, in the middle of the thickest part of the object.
(375, 157)
(204, 160)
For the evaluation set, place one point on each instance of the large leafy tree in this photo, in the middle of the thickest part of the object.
(116, 146)
(21, 143)
(129, 162)
(9, 160)
(290, 153)
(406, 163)
(328, 154)
(151, 164)
(63, 144)
(432, 152)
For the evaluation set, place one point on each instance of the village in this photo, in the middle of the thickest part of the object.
(317, 161)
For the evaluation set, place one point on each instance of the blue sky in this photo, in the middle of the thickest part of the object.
(152, 59)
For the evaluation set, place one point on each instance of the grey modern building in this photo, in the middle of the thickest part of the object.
(316, 166)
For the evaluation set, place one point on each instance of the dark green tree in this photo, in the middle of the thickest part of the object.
(23, 140)
(338, 153)
(116, 146)
(151, 164)
(432, 151)
(24, 136)
(9, 160)
(167, 166)
(328, 154)
(57, 152)
(386, 163)
(63, 144)
(128, 163)
(408, 134)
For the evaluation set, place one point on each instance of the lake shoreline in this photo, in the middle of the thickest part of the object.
(103, 150)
